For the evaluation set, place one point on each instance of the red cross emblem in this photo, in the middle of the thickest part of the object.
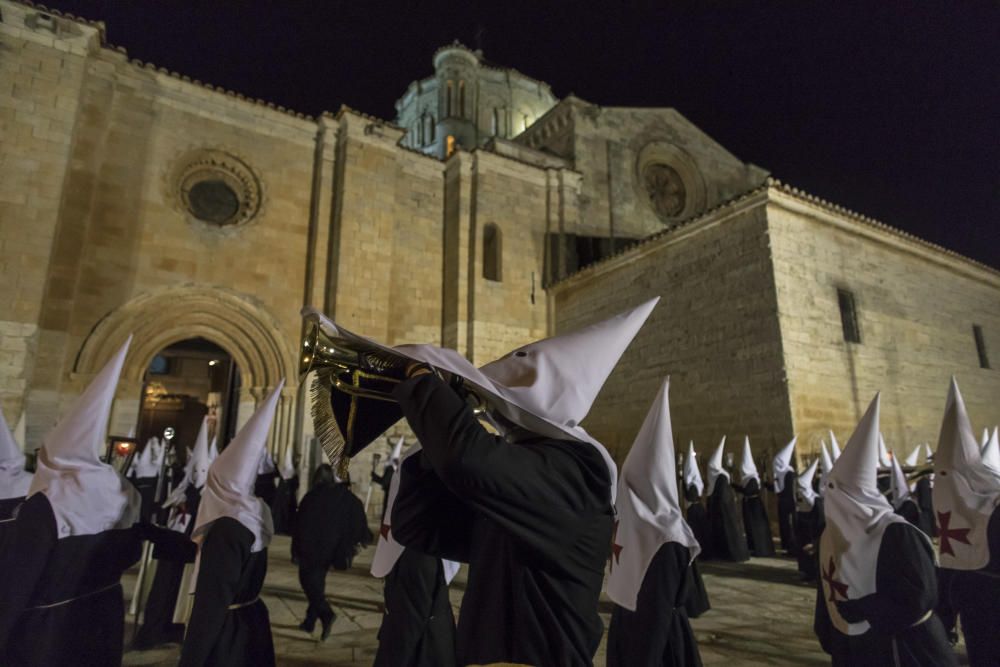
(616, 549)
(948, 534)
(836, 587)
(384, 530)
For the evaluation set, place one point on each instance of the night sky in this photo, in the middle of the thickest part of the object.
(891, 109)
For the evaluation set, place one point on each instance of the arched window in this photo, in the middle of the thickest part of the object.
(495, 124)
(492, 253)
(449, 91)
(430, 128)
(461, 99)
(449, 146)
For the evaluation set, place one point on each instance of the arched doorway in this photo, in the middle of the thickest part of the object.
(185, 382)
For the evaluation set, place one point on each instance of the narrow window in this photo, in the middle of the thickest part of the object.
(848, 316)
(447, 100)
(430, 128)
(526, 121)
(449, 146)
(420, 132)
(461, 99)
(984, 360)
(495, 125)
(492, 253)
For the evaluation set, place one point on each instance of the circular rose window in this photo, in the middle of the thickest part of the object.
(218, 188)
(665, 190)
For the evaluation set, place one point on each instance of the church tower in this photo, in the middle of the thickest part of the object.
(467, 102)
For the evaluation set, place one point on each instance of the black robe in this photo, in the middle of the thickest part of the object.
(418, 628)
(755, 521)
(924, 495)
(726, 540)
(532, 519)
(808, 527)
(657, 633)
(906, 592)
(285, 506)
(786, 514)
(62, 598)
(697, 518)
(384, 480)
(8, 507)
(697, 602)
(266, 486)
(146, 486)
(229, 625)
(974, 595)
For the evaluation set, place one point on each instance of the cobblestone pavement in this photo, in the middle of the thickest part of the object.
(761, 615)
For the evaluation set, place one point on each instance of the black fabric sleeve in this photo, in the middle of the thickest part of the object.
(905, 581)
(26, 553)
(656, 601)
(541, 492)
(427, 516)
(223, 555)
(168, 544)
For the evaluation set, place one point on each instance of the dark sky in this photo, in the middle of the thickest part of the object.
(888, 108)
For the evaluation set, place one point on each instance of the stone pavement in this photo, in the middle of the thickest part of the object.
(761, 615)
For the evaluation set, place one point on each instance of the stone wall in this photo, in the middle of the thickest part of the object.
(916, 306)
(714, 333)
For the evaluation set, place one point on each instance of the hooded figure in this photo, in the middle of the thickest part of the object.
(267, 478)
(144, 472)
(834, 447)
(286, 496)
(808, 521)
(14, 479)
(531, 509)
(185, 498)
(726, 539)
(385, 479)
(755, 521)
(903, 500)
(784, 485)
(878, 585)
(966, 497)
(72, 539)
(418, 627)
(825, 466)
(991, 452)
(697, 518)
(229, 623)
(651, 552)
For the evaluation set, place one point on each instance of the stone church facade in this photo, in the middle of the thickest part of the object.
(134, 200)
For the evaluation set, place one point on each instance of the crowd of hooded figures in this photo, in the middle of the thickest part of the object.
(527, 498)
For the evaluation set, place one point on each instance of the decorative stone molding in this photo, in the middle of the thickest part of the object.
(215, 189)
(669, 181)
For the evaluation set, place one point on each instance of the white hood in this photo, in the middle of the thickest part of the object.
(913, 459)
(231, 477)
(14, 479)
(748, 469)
(898, 484)
(387, 549)
(649, 512)
(714, 470)
(857, 515)
(692, 476)
(884, 460)
(966, 492)
(287, 470)
(825, 466)
(928, 453)
(782, 465)
(87, 495)
(805, 496)
(834, 447)
(201, 457)
(991, 453)
(546, 387)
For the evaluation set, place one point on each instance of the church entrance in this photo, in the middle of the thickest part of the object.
(183, 383)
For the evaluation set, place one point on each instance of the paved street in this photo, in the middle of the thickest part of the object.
(761, 616)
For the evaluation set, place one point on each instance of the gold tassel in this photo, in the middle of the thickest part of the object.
(325, 424)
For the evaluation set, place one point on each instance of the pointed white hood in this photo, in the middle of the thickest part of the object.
(966, 492)
(857, 515)
(387, 549)
(714, 470)
(231, 477)
(884, 460)
(201, 457)
(834, 447)
(748, 469)
(266, 464)
(913, 458)
(692, 476)
(782, 465)
(991, 453)
(87, 495)
(805, 496)
(394, 457)
(986, 438)
(928, 453)
(649, 511)
(14, 479)
(825, 466)
(546, 387)
(144, 464)
(287, 469)
(898, 484)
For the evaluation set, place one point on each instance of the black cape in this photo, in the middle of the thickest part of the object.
(285, 506)
(418, 628)
(229, 625)
(8, 508)
(906, 592)
(146, 486)
(657, 633)
(330, 527)
(62, 599)
(384, 480)
(786, 514)
(726, 540)
(975, 597)
(697, 602)
(923, 493)
(532, 519)
(755, 521)
(697, 518)
(808, 527)
(265, 487)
